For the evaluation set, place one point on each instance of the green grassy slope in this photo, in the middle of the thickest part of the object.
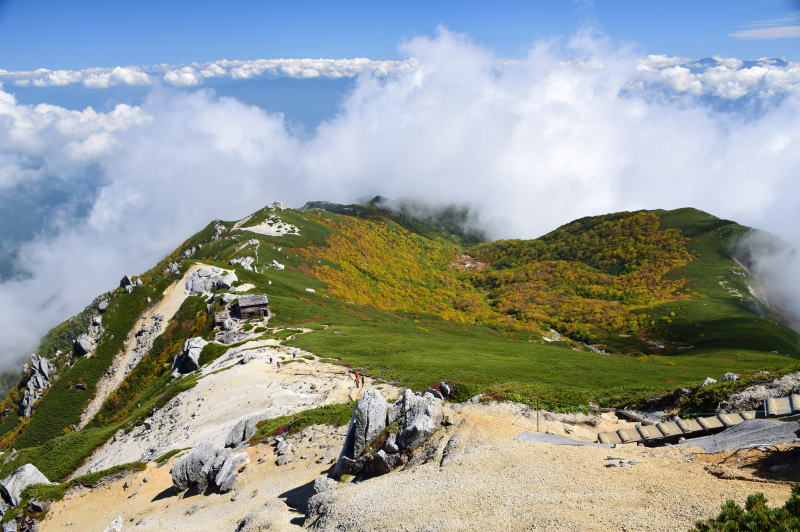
(383, 282)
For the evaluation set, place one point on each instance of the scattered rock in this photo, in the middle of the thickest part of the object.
(14, 484)
(126, 281)
(115, 525)
(730, 377)
(103, 305)
(619, 462)
(10, 526)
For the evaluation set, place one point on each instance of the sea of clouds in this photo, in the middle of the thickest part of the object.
(572, 128)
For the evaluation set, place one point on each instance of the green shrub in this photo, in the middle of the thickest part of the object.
(755, 516)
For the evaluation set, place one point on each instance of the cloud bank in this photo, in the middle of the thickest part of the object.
(726, 78)
(196, 73)
(530, 143)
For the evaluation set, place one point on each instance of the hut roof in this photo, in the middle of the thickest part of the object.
(253, 300)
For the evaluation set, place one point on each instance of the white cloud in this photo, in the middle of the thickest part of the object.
(195, 73)
(776, 32)
(531, 143)
(726, 78)
(183, 77)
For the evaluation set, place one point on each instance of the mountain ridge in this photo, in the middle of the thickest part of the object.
(399, 302)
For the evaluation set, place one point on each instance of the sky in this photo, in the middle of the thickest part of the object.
(73, 35)
(124, 131)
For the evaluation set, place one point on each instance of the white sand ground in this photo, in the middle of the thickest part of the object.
(492, 482)
(220, 400)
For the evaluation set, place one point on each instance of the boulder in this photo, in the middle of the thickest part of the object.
(730, 377)
(708, 381)
(188, 360)
(37, 506)
(83, 345)
(421, 420)
(226, 281)
(198, 469)
(369, 420)
(323, 483)
(14, 484)
(228, 324)
(231, 337)
(126, 281)
(103, 305)
(10, 526)
(243, 431)
(202, 272)
(226, 476)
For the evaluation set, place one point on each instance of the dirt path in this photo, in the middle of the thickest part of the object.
(173, 297)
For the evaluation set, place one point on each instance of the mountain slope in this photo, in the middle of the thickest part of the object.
(410, 301)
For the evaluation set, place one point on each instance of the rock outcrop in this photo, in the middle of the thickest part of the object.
(188, 360)
(14, 484)
(204, 281)
(752, 398)
(417, 417)
(37, 381)
(208, 466)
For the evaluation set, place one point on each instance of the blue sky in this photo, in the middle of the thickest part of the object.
(73, 35)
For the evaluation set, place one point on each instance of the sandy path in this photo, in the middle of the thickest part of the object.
(208, 411)
(173, 297)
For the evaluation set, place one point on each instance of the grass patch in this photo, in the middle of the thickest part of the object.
(164, 458)
(336, 415)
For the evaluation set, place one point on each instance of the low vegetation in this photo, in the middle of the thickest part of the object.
(336, 415)
(755, 515)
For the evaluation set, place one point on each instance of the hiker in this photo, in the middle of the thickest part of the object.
(355, 375)
(363, 379)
